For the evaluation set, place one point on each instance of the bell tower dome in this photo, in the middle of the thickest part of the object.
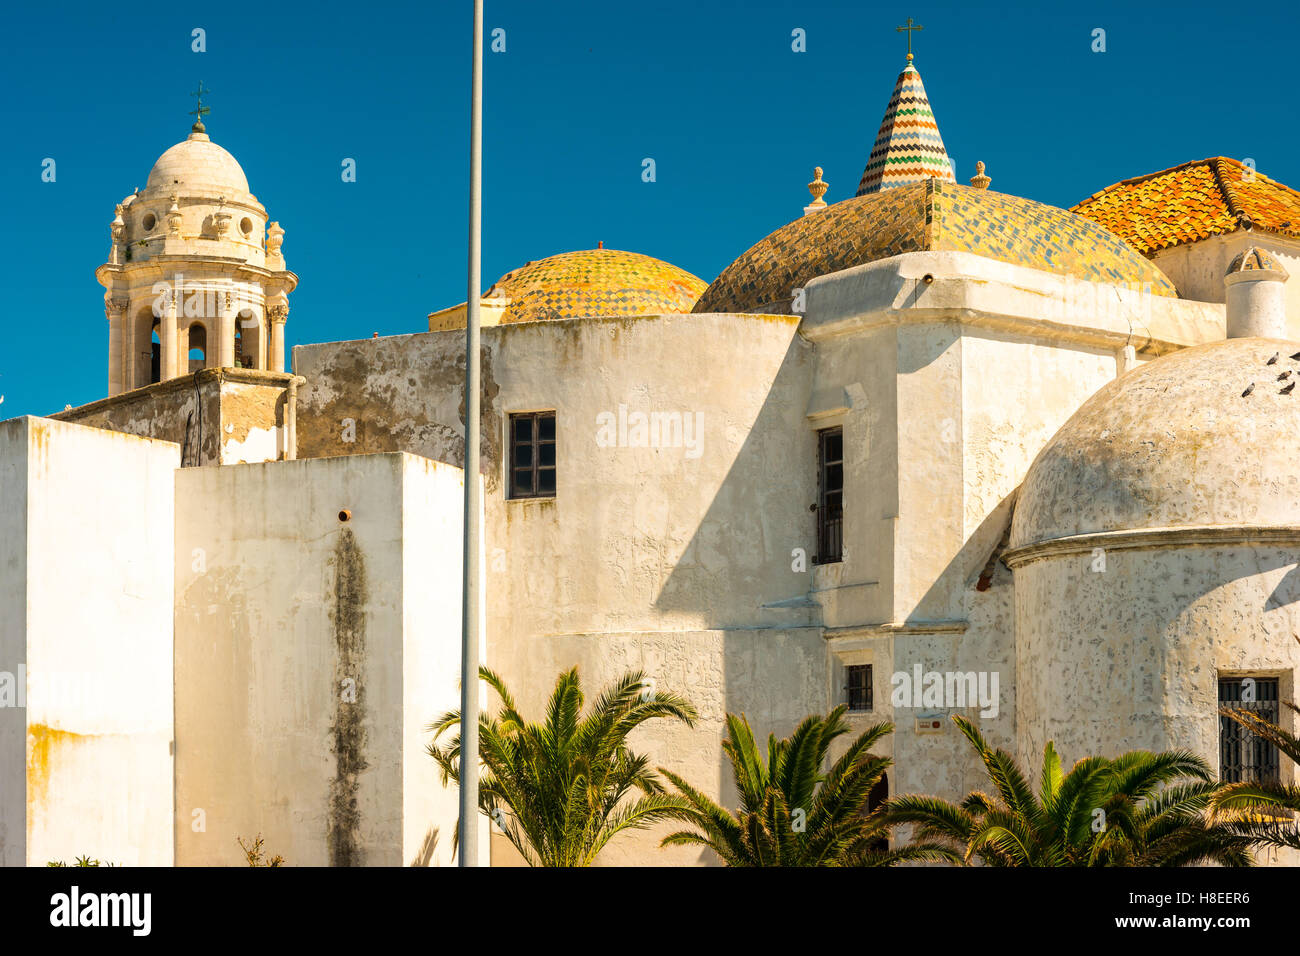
(195, 277)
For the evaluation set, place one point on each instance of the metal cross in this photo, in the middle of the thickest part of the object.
(908, 29)
(201, 111)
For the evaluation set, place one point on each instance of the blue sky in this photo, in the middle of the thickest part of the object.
(712, 91)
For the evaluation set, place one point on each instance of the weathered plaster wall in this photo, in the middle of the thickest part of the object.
(218, 416)
(297, 634)
(87, 763)
(656, 537)
(1197, 268)
(1129, 657)
(656, 557)
(947, 389)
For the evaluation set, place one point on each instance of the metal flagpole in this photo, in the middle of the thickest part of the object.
(469, 648)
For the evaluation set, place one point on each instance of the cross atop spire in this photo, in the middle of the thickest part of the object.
(908, 30)
(199, 110)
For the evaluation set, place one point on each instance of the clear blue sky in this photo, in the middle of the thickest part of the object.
(710, 90)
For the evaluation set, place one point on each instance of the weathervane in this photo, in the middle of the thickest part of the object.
(908, 29)
(201, 111)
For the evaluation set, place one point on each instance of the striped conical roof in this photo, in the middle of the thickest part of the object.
(908, 147)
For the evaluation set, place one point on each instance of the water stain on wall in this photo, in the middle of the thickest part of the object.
(348, 732)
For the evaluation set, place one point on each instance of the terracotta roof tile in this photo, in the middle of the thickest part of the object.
(1191, 202)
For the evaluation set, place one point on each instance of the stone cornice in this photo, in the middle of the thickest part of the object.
(1148, 539)
(928, 287)
(243, 376)
(893, 628)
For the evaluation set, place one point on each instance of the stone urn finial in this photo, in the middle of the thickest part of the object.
(221, 219)
(979, 180)
(818, 188)
(274, 240)
(174, 217)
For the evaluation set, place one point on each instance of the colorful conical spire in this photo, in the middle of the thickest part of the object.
(908, 147)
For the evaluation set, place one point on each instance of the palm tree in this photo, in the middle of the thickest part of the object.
(1138, 809)
(1261, 809)
(557, 789)
(791, 814)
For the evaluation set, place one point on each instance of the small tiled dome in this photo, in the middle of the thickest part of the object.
(1256, 259)
(197, 161)
(595, 282)
(930, 215)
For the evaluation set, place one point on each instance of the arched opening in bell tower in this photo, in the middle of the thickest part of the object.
(198, 346)
(249, 340)
(155, 361)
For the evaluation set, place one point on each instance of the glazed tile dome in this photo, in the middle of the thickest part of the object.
(1174, 444)
(197, 162)
(930, 215)
(595, 282)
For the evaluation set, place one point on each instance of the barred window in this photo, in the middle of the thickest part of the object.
(830, 495)
(532, 455)
(857, 687)
(1243, 757)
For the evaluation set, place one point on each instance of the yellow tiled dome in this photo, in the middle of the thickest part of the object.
(918, 217)
(595, 282)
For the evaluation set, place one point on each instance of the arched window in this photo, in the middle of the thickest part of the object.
(155, 361)
(879, 794)
(249, 339)
(198, 346)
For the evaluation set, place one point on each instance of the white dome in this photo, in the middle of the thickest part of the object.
(197, 162)
(1175, 443)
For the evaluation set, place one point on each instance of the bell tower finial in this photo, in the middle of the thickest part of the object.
(199, 110)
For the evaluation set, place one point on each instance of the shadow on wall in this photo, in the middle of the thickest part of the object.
(739, 557)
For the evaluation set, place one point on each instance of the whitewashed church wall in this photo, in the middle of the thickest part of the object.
(85, 621)
(1197, 269)
(296, 638)
(1126, 654)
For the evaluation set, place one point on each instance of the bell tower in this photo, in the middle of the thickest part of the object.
(195, 276)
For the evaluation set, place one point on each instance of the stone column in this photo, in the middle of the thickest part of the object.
(226, 333)
(115, 312)
(130, 350)
(278, 314)
(167, 339)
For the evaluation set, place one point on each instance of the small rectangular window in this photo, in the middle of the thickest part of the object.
(857, 687)
(830, 495)
(532, 455)
(1243, 757)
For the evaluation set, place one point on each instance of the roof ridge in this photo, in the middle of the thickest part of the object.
(1229, 195)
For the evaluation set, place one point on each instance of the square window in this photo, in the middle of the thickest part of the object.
(857, 687)
(532, 455)
(1243, 757)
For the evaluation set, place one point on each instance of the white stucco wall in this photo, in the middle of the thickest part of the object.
(1197, 268)
(311, 651)
(948, 389)
(85, 609)
(647, 557)
(1129, 657)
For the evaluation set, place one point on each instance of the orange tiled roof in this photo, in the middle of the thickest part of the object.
(1191, 202)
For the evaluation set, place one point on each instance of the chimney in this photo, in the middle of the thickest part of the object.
(1256, 300)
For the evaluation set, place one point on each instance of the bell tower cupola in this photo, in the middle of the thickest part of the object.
(195, 276)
